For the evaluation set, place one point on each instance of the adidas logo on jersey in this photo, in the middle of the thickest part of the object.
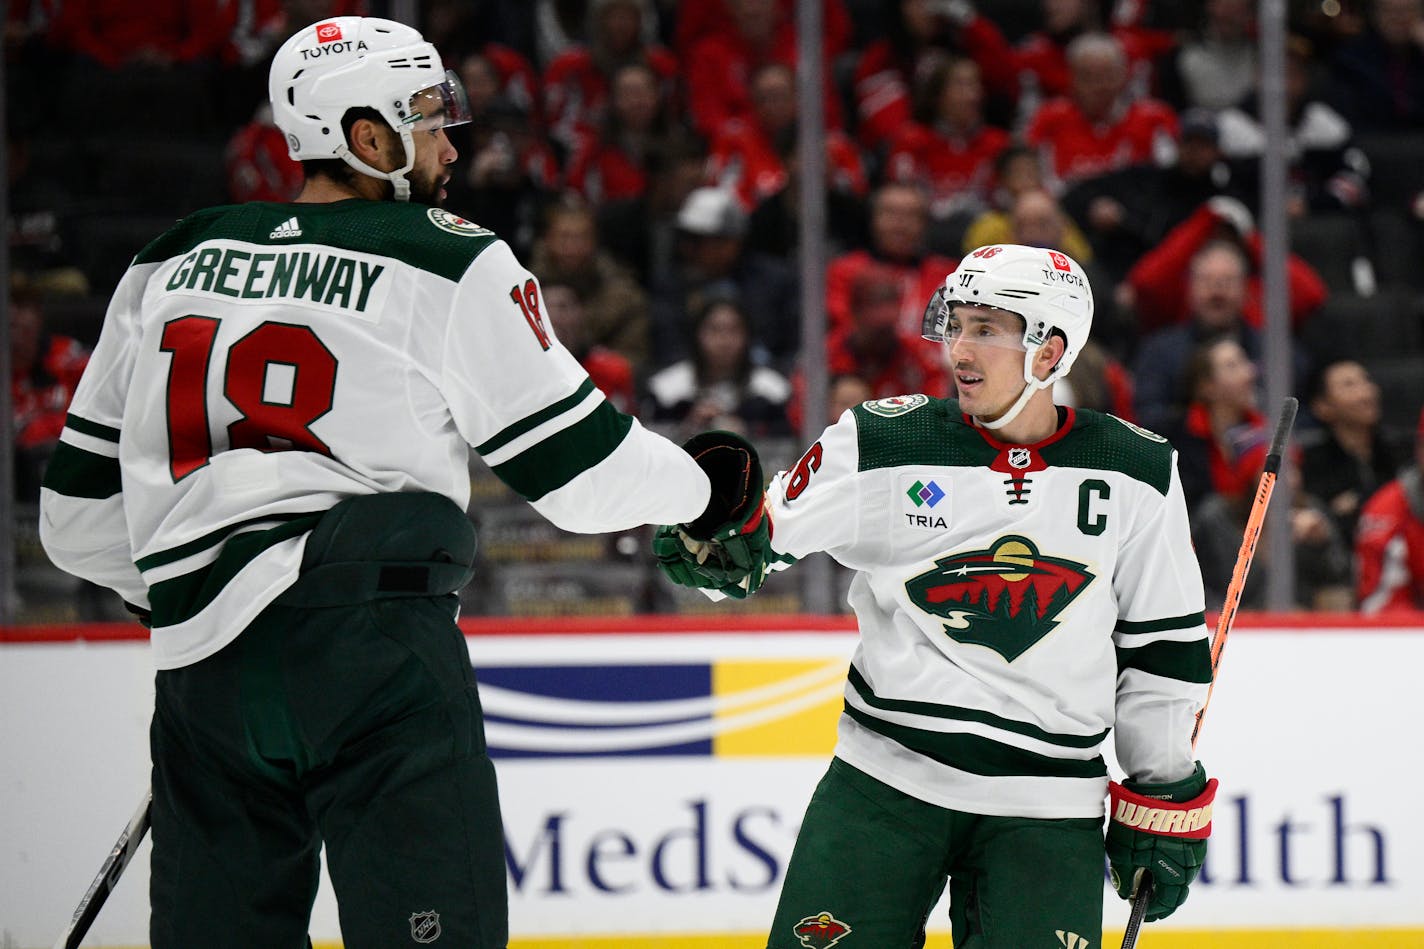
(287, 229)
(1071, 940)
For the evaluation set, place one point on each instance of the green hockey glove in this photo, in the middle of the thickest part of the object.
(1161, 830)
(726, 548)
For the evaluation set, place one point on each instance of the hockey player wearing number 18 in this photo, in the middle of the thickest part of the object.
(1025, 584)
(268, 457)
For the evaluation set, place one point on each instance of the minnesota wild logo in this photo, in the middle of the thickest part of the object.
(1006, 597)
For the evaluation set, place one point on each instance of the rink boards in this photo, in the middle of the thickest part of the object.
(653, 772)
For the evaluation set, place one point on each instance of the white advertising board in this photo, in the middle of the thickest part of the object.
(652, 783)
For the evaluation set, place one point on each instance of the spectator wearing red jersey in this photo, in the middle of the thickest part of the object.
(948, 151)
(615, 308)
(258, 166)
(921, 32)
(577, 81)
(1389, 545)
(699, 19)
(750, 155)
(1044, 62)
(1156, 285)
(609, 370)
(117, 33)
(1096, 128)
(44, 371)
(1221, 442)
(718, 71)
(612, 164)
(876, 347)
(899, 220)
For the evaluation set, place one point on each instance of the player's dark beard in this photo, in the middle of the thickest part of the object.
(424, 190)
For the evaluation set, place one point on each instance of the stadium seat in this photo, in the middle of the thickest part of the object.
(1401, 382)
(1399, 249)
(1397, 167)
(1367, 328)
(1329, 243)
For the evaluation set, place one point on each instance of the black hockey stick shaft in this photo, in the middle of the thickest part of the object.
(1254, 522)
(113, 868)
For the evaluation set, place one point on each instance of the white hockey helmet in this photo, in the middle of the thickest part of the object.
(349, 62)
(1047, 288)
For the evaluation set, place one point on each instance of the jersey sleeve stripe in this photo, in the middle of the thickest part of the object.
(531, 422)
(555, 461)
(76, 473)
(978, 755)
(91, 428)
(956, 713)
(210, 539)
(1184, 661)
(1135, 627)
(180, 598)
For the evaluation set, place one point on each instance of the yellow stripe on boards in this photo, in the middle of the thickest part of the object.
(1151, 938)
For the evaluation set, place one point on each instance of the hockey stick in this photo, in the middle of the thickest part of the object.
(108, 877)
(1244, 556)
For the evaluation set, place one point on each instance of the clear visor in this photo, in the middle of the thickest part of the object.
(439, 106)
(949, 321)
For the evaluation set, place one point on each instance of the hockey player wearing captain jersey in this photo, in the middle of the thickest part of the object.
(1024, 584)
(267, 458)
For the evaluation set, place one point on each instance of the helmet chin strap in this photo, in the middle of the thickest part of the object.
(399, 182)
(1031, 385)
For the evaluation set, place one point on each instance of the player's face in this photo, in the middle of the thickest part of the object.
(433, 152)
(985, 354)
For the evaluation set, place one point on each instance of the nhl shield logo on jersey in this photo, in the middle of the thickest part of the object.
(454, 224)
(896, 405)
(425, 927)
(821, 931)
(1006, 598)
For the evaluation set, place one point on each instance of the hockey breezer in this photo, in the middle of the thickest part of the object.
(1128, 809)
(108, 878)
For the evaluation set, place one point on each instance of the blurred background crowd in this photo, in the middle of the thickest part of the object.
(641, 156)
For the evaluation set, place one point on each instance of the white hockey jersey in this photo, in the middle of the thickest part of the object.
(1015, 602)
(259, 363)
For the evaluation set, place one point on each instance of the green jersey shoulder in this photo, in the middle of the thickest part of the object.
(919, 430)
(430, 239)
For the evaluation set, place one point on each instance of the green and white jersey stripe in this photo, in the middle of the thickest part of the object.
(1016, 603)
(260, 363)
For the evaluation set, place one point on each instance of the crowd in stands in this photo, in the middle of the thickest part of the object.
(642, 156)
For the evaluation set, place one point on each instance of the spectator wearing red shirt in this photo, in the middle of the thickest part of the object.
(610, 371)
(1156, 285)
(899, 219)
(116, 33)
(717, 72)
(948, 150)
(612, 164)
(576, 82)
(1096, 129)
(258, 166)
(919, 33)
(1221, 444)
(1043, 60)
(750, 156)
(44, 371)
(699, 19)
(1389, 545)
(876, 348)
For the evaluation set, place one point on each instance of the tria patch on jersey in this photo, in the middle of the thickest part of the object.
(924, 504)
(454, 224)
(1007, 597)
(1150, 436)
(896, 405)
